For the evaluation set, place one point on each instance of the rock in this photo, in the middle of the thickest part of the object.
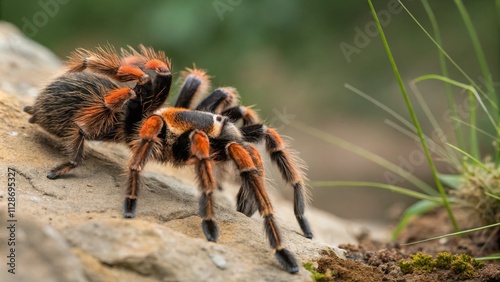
(75, 223)
(41, 254)
(25, 63)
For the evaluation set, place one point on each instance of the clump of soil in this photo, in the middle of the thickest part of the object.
(370, 260)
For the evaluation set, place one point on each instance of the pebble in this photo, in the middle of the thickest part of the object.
(219, 261)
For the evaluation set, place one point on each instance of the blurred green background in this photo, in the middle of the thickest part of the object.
(292, 58)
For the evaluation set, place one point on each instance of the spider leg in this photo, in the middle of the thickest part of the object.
(195, 85)
(219, 100)
(252, 181)
(287, 163)
(106, 62)
(200, 150)
(151, 94)
(246, 114)
(224, 101)
(75, 145)
(146, 147)
(92, 123)
(246, 201)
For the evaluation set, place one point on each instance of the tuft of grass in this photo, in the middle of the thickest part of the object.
(476, 185)
(414, 119)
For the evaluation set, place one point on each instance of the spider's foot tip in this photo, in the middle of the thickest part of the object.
(129, 207)
(52, 175)
(287, 260)
(210, 229)
(128, 215)
(308, 235)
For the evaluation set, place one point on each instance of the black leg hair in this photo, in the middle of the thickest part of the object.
(252, 181)
(287, 165)
(196, 83)
(246, 201)
(248, 116)
(219, 100)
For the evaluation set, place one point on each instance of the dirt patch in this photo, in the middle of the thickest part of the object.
(370, 260)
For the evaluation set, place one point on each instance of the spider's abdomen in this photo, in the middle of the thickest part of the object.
(59, 105)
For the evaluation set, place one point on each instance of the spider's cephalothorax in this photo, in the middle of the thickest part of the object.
(104, 96)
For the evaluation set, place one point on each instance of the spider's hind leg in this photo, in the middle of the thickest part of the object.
(287, 163)
(252, 181)
(75, 145)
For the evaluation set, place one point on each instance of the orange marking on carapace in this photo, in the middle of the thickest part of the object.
(199, 145)
(241, 157)
(130, 71)
(115, 99)
(156, 64)
(151, 127)
(170, 115)
(180, 120)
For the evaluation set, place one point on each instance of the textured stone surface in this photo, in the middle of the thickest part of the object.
(72, 229)
(26, 65)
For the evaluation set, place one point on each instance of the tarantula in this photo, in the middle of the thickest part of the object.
(110, 97)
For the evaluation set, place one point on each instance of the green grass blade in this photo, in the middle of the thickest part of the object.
(459, 135)
(477, 129)
(416, 209)
(469, 88)
(428, 113)
(492, 257)
(433, 146)
(393, 188)
(493, 196)
(438, 150)
(380, 105)
(332, 139)
(454, 234)
(473, 159)
(474, 146)
(451, 180)
(481, 58)
(471, 81)
(414, 117)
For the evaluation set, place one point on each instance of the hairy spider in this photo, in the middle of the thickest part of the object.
(110, 97)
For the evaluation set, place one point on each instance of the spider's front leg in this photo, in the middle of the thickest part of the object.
(200, 151)
(254, 183)
(146, 147)
(151, 94)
